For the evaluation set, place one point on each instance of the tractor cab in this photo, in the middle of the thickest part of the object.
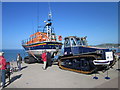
(72, 44)
(75, 41)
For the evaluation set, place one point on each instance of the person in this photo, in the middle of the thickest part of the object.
(49, 62)
(8, 70)
(55, 57)
(19, 61)
(2, 68)
(84, 41)
(44, 59)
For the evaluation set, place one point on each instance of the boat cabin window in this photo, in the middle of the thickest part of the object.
(67, 42)
(78, 41)
(73, 42)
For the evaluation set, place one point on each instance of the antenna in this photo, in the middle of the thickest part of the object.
(49, 13)
(49, 24)
(38, 15)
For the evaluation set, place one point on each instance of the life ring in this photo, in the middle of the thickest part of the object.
(60, 38)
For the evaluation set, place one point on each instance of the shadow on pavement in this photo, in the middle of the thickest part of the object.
(24, 67)
(118, 70)
(14, 78)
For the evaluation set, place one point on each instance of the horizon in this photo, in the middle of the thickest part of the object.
(62, 47)
(96, 20)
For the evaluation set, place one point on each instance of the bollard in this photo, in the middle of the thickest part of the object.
(95, 77)
(107, 77)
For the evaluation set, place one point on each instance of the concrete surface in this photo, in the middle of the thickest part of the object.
(33, 76)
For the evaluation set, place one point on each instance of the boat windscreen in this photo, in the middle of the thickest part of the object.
(73, 42)
(67, 42)
(78, 41)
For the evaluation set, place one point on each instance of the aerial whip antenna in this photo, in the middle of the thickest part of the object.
(50, 13)
(38, 16)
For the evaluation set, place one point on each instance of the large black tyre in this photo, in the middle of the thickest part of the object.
(26, 59)
(30, 60)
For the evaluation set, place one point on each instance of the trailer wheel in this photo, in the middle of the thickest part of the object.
(30, 60)
(26, 59)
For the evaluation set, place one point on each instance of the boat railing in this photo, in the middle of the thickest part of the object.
(24, 42)
(35, 37)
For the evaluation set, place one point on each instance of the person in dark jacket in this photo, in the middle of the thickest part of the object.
(8, 70)
(2, 69)
(19, 61)
(49, 61)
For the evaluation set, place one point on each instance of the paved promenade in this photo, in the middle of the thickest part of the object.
(33, 76)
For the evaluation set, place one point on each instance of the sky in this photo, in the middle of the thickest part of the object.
(96, 20)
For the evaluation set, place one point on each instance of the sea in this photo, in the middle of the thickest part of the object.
(11, 54)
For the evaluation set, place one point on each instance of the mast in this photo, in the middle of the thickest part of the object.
(49, 25)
